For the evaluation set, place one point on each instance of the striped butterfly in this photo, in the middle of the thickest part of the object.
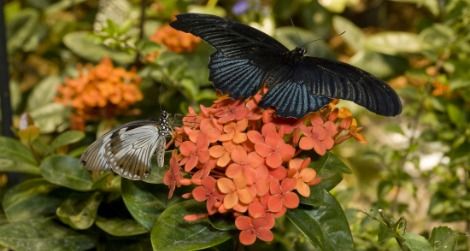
(127, 150)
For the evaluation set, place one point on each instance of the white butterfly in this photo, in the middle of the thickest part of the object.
(128, 149)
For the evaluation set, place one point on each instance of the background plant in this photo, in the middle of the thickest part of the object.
(409, 188)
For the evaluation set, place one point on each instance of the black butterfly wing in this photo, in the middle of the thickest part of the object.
(233, 39)
(339, 80)
(292, 99)
(243, 55)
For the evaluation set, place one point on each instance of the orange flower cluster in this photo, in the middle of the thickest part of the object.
(175, 40)
(100, 91)
(243, 160)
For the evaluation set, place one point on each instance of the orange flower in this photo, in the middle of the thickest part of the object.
(194, 153)
(222, 153)
(229, 110)
(271, 146)
(282, 196)
(319, 136)
(175, 40)
(100, 91)
(236, 191)
(208, 192)
(235, 131)
(299, 170)
(245, 164)
(254, 228)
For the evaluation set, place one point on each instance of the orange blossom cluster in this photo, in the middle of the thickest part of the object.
(243, 160)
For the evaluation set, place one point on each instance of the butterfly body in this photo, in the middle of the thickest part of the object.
(128, 149)
(247, 59)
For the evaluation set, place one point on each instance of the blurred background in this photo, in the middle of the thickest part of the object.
(81, 67)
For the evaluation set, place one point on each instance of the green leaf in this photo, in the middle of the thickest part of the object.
(326, 225)
(67, 138)
(456, 115)
(380, 65)
(172, 232)
(336, 6)
(15, 157)
(44, 92)
(21, 28)
(79, 210)
(61, 5)
(431, 5)
(42, 234)
(51, 117)
(66, 171)
(329, 168)
(144, 201)
(120, 227)
(437, 37)
(443, 239)
(352, 34)
(394, 42)
(416, 242)
(83, 44)
(30, 199)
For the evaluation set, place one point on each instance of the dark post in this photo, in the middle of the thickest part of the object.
(4, 79)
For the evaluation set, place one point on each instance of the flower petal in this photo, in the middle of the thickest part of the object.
(275, 203)
(247, 237)
(230, 200)
(291, 200)
(225, 185)
(199, 194)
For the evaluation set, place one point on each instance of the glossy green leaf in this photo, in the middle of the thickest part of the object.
(84, 45)
(325, 225)
(144, 201)
(42, 235)
(79, 210)
(330, 169)
(443, 239)
(44, 92)
(66, 171)
(51, 117)
(416, 242)
(172, 232)
(394, 42)
(30, 199)
(108, 182)
(15, 157)
(67, 138)
(120, 227)
(352, 34)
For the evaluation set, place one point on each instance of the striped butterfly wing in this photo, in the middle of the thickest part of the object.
(243, 55)
(131, 147)
(94, 157)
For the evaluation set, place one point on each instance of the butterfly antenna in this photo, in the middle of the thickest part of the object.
(318, 39)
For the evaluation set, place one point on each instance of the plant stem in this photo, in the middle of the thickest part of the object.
(143, 5)
(4, 79)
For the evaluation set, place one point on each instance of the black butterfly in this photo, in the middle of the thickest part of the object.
(246, 59)
(128, 149)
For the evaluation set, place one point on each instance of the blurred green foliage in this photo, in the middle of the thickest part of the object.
(410, 187)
